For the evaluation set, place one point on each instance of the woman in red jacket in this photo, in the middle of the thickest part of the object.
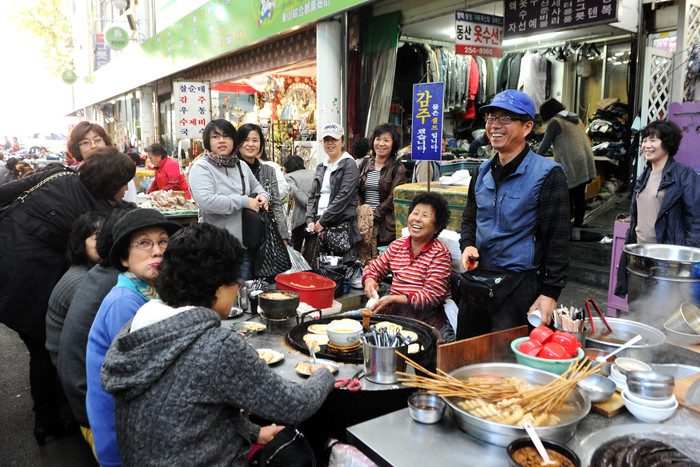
(168, 175)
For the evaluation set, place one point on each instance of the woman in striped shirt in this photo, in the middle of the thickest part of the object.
(379, 175)
(420, 265)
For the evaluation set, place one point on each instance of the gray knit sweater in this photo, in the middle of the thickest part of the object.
(60, 299)
(179, 386)
(73, 340)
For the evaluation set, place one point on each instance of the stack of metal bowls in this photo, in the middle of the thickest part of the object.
(683, 327)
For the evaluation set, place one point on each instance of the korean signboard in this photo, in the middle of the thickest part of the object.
(102, 52)
(192, 108)
(526, 17)
(117, 38)
(426, 137)
(215, 27)
(478, 34)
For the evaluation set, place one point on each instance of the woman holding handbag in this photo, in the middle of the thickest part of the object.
(250, 150)
(33, 237)
(223, 188)
(331, 212)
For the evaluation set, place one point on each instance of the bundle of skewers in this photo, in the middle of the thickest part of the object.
(569, 319)
(507, 400)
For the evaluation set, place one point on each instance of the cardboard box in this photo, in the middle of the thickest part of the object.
(593, 188)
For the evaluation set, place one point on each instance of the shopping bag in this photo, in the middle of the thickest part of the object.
(272, 257)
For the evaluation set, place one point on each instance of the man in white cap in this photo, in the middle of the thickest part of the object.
(515, 227)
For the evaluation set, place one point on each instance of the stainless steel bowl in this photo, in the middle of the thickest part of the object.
(527, 442)
(598, 388)
(502, 435)
(691, 314)
(681, 338)
(650, 384)
(624, 330)
(425, 407)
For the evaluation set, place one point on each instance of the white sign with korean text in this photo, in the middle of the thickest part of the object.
(478, 34)
(192, 108)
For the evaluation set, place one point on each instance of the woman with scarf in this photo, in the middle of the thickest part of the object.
(140, 238)
(222, 186)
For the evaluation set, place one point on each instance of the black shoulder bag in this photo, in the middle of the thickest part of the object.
(272, 257)
(11, 205)
(252, 224)
(288, 448)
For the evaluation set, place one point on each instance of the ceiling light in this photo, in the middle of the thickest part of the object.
(536, 38)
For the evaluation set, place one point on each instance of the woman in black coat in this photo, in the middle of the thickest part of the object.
(33, 238)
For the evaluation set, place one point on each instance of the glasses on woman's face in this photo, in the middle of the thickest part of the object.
(218, 136)
(504, 120)
(147, 244)
(97, 142)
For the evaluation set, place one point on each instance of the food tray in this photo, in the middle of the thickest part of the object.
(500, 434)
(183, 212)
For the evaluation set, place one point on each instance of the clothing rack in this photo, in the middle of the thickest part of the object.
(426, 41)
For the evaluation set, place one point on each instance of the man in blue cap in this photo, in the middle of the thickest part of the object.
(515, 227)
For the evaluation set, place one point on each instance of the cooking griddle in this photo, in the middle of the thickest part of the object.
(427, 338)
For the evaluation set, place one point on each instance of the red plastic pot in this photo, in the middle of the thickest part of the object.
(553, 351)
(530, 347)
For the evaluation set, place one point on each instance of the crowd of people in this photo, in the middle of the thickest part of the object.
(120, 308)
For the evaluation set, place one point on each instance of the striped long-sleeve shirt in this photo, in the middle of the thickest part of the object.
(425, 278)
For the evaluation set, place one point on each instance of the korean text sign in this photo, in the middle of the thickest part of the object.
(478, 34)
(526, 17)
(192, 108)
(426, 138)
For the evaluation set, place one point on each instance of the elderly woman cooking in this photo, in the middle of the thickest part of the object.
(420, 265)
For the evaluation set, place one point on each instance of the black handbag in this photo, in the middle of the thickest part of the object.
(288, 448)
(337, 239)
(272, 257)
(252, 223)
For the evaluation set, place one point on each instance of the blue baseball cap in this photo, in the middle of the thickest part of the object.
(512, 100)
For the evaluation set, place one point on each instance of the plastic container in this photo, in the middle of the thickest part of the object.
(313, 289)
(554, 366)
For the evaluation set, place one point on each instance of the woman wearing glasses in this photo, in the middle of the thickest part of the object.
(222, 186)
(85, 139)
(140, 238)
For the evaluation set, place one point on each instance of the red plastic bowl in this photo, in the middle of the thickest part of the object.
(530, 347)
(313, 289)
(554, 351)
(567, 341)
(541, 334)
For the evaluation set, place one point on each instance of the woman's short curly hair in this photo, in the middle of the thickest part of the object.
(78, 134)
(199, 259)
(83, 228)
(395, 138)
(439, 205)
(669, 133)
(225, 128)
(106, 172)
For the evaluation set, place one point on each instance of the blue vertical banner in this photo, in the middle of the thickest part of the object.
(426, 137)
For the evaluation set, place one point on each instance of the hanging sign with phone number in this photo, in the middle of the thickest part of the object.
(478, 34)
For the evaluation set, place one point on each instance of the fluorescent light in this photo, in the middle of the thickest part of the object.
(450, 32)
(536, 38)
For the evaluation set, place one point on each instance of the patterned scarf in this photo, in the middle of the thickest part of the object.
(144, 289)
(222, 161)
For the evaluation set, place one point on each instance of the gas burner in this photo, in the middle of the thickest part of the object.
(332, 348)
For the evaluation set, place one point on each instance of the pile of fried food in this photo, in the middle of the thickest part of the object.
(168, 200)
(506, 400)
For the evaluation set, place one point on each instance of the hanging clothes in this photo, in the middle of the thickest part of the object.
(533, 77)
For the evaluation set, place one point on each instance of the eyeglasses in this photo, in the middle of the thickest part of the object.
(505, 120)
(95, 142)
(147, 244)
(218, 136)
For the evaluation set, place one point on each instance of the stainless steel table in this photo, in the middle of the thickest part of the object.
(396, 439)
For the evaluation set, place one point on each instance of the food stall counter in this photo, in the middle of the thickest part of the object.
(396, 439)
